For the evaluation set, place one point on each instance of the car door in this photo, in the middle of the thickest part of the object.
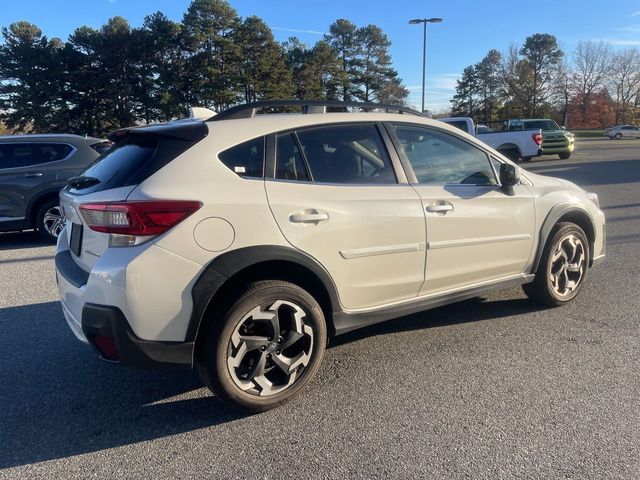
(336, 195)
(19, 173)
(476, 233)
(24, 172)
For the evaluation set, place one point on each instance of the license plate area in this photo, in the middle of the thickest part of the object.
(75, 242)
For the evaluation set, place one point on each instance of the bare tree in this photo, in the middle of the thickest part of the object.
(563, 90)
(591, 64)
(625, 82)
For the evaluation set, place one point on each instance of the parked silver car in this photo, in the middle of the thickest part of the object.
(33, 169)
(622, 131)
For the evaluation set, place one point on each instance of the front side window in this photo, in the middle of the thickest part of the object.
(246, 159)
(346, 154)
(441, 158)
(15, 155)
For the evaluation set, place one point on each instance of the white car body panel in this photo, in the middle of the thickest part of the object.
(374, 245)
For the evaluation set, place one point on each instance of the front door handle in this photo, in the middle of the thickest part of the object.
(309, 216)
(440, 207)
(33, 174)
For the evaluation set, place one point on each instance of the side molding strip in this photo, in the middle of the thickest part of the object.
(477, 241)
(371, 251)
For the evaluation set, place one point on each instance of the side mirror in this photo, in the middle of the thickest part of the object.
(509, 175)
(563, 127)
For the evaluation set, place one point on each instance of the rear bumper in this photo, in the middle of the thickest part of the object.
(110, 322)
(131, 303)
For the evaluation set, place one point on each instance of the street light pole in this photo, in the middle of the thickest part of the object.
(424, 22)
(424, 61)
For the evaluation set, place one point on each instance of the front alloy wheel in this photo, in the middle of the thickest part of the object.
(567, 266)
(563, 266)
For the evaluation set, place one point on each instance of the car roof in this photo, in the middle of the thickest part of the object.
(40, 137)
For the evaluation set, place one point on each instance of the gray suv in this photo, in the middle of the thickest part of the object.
(33, 169)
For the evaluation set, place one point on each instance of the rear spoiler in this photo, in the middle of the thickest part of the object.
(190, 130)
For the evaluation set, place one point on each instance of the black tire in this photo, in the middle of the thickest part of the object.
(526, 159)
(541, 290)
(215, 348)
(512, 154)
(43, 215)
(565, 155)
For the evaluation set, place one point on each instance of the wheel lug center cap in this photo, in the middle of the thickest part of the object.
(272, 347)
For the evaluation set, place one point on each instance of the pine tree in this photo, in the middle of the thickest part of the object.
(214, 62)
(33, 88)
(343, 38)
(265, 74)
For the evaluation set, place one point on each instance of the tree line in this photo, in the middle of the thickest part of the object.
(103, 79)
(594, 87)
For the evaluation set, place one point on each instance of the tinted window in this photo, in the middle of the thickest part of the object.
(462, 125)
(541, 124)
(347, 154)
(441, 158)
(289, 162)
(246, 159)
(101, 147)
(13, 155)
(50, 152)
(118, 166)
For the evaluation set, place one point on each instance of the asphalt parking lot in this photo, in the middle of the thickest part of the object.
(490, 388)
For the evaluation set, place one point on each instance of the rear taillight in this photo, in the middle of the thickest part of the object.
(537, 137)
(137, 218)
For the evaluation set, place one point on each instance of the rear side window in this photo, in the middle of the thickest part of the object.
(246, 159)
(347, 154)
(14, 155)
(51, 152)
(289, 162)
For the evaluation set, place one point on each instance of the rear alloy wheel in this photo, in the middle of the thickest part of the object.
(267, 347)
(563, 267)
(50, 220)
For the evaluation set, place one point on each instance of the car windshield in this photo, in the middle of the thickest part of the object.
(542, 125)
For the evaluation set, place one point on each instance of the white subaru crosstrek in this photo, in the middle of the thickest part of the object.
(240, 244)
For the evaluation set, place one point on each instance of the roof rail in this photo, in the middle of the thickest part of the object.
(248, 110)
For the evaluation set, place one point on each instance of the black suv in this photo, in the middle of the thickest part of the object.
(33, 169)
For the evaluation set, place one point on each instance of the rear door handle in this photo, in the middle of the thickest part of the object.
(309, 216)
(440, 207)
(33, 174)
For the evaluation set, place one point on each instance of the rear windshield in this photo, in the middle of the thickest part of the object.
(101, 147)
(119, 165)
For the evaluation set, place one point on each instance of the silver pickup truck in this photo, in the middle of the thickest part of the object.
(516, 146)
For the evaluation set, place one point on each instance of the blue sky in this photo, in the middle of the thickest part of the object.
(470, 28)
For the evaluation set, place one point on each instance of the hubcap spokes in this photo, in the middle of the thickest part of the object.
(270, 348)
(53, 221)
(567, 265)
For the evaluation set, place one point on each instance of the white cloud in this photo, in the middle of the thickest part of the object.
(295, 30)
(615, 42)
(635, 14)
